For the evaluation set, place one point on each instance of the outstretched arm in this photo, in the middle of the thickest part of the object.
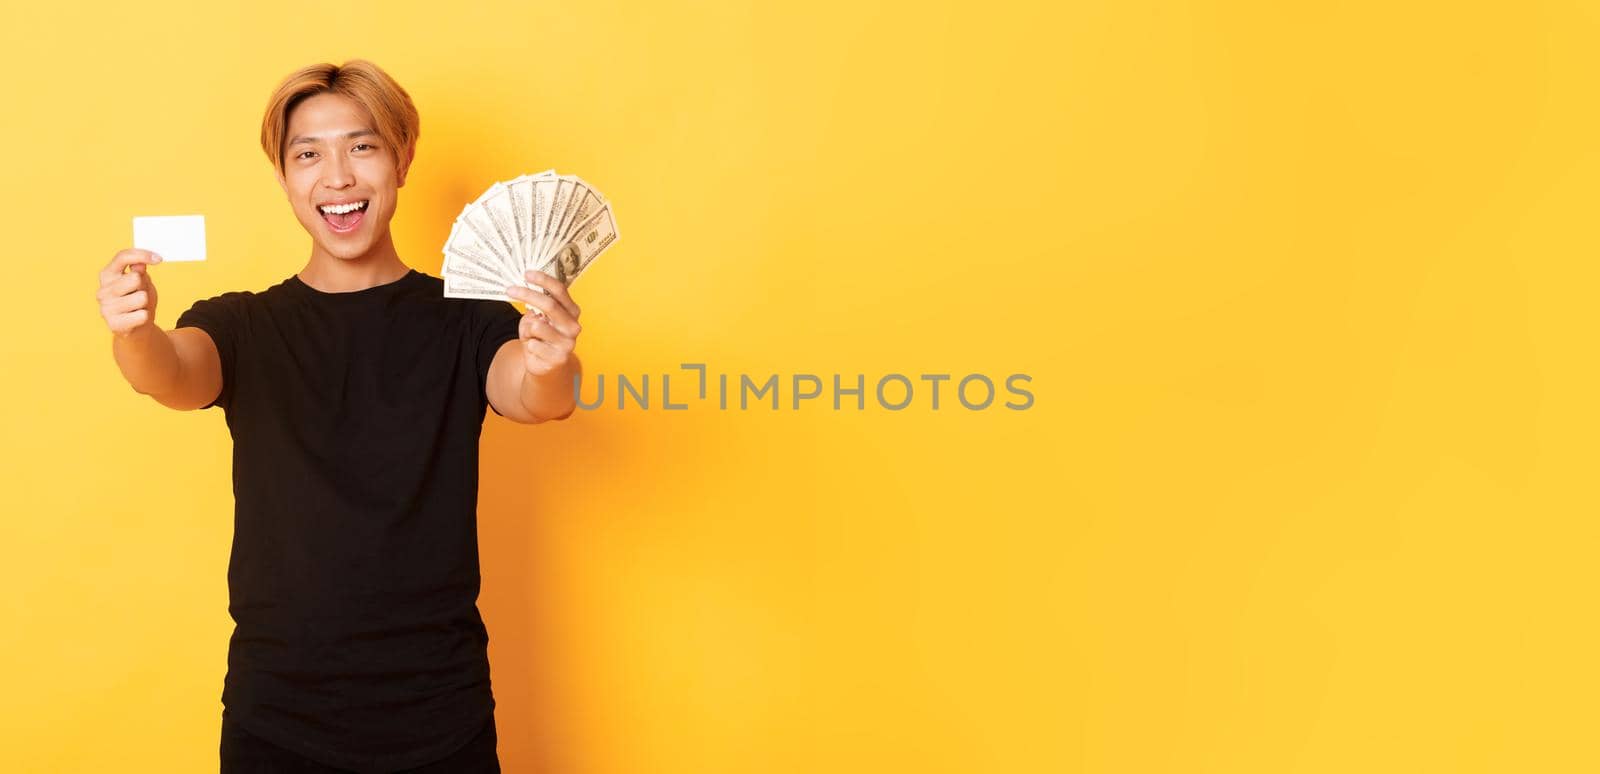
(179, 369)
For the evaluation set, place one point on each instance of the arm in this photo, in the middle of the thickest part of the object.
(526, 398)
(180, 369)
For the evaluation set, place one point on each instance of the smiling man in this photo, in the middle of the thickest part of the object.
(355, 393)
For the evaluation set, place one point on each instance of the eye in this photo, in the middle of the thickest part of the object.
(363, 145)
(303, 154)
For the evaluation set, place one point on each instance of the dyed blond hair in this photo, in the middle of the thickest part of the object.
(394, 118)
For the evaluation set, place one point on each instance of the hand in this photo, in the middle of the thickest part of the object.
(549, 330)
(128, 300)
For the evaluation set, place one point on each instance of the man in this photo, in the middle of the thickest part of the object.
(355, 394)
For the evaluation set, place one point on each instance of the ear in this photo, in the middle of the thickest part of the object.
(405, 166)
(283, 183)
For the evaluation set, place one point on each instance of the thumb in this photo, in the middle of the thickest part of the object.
(142, 266)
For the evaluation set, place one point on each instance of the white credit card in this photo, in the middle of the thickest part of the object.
(173, 237)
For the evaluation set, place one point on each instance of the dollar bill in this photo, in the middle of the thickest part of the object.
(455, 266)
(555, 223)
(558, 209)
(472, 253)
(589, 239)
(473, 220)
(517, 191)
(544, 192)
(497, 205)
(585, 202)
(454, 287)
(530, 197)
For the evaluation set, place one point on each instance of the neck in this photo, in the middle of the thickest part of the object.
(331, 274)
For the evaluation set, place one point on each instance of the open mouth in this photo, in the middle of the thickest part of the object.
(343, 218)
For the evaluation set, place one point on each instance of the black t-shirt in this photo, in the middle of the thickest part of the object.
(354, 575)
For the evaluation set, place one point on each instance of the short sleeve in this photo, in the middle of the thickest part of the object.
(494, 324)
(220, 317)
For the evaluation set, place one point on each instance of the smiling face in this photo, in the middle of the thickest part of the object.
(333, 157)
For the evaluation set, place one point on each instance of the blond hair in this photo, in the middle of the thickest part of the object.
(394, 117)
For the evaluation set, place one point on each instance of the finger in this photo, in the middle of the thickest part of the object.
(535, 326)
(557, 289)
(135, 317)
(528, 296)
(552, 309)
(525, 327)
(135, 300)
(564, 325)
(544, 350)
(544, 331)
(121, 286)
(125, 257)
(533, 299)
(550, 327)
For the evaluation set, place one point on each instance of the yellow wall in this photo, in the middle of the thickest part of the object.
(1306, 297)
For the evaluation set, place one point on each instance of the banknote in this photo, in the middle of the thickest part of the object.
(496, 206)
(588, 240)
(558, 213)
(472, 253)
(584, 202)
(547, 221)
(544, 202)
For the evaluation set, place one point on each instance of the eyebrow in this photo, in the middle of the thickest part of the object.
(348, 136)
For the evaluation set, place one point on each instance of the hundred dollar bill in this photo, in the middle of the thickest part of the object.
(563, 220)
(455, 288)
(517, 191)
(558, 211)
(544, 195)
(475, 220)
(590, 239)
(458, 268)
(465, 245)
(501, 214)
(558, 208)
(527, 195)
(585, 202)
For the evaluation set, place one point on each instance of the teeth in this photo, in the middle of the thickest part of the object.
(339, 209)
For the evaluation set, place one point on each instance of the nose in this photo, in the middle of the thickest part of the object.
(339, 174)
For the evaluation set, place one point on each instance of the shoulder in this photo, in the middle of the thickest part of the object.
(429, 282)
(228, 301)
(232, 297)
(233, 304)
(274, 292)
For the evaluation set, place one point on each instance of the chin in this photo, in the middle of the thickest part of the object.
(348, 252)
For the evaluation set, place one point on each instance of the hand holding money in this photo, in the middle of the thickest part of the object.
(549, 330)
(127, 295)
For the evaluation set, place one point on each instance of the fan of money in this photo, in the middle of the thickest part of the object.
(553, 223)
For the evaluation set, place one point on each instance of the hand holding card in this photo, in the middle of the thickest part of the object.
(127, 295)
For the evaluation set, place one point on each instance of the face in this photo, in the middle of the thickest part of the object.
(335, 157)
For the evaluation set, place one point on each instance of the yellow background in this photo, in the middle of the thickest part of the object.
(1306, 296)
